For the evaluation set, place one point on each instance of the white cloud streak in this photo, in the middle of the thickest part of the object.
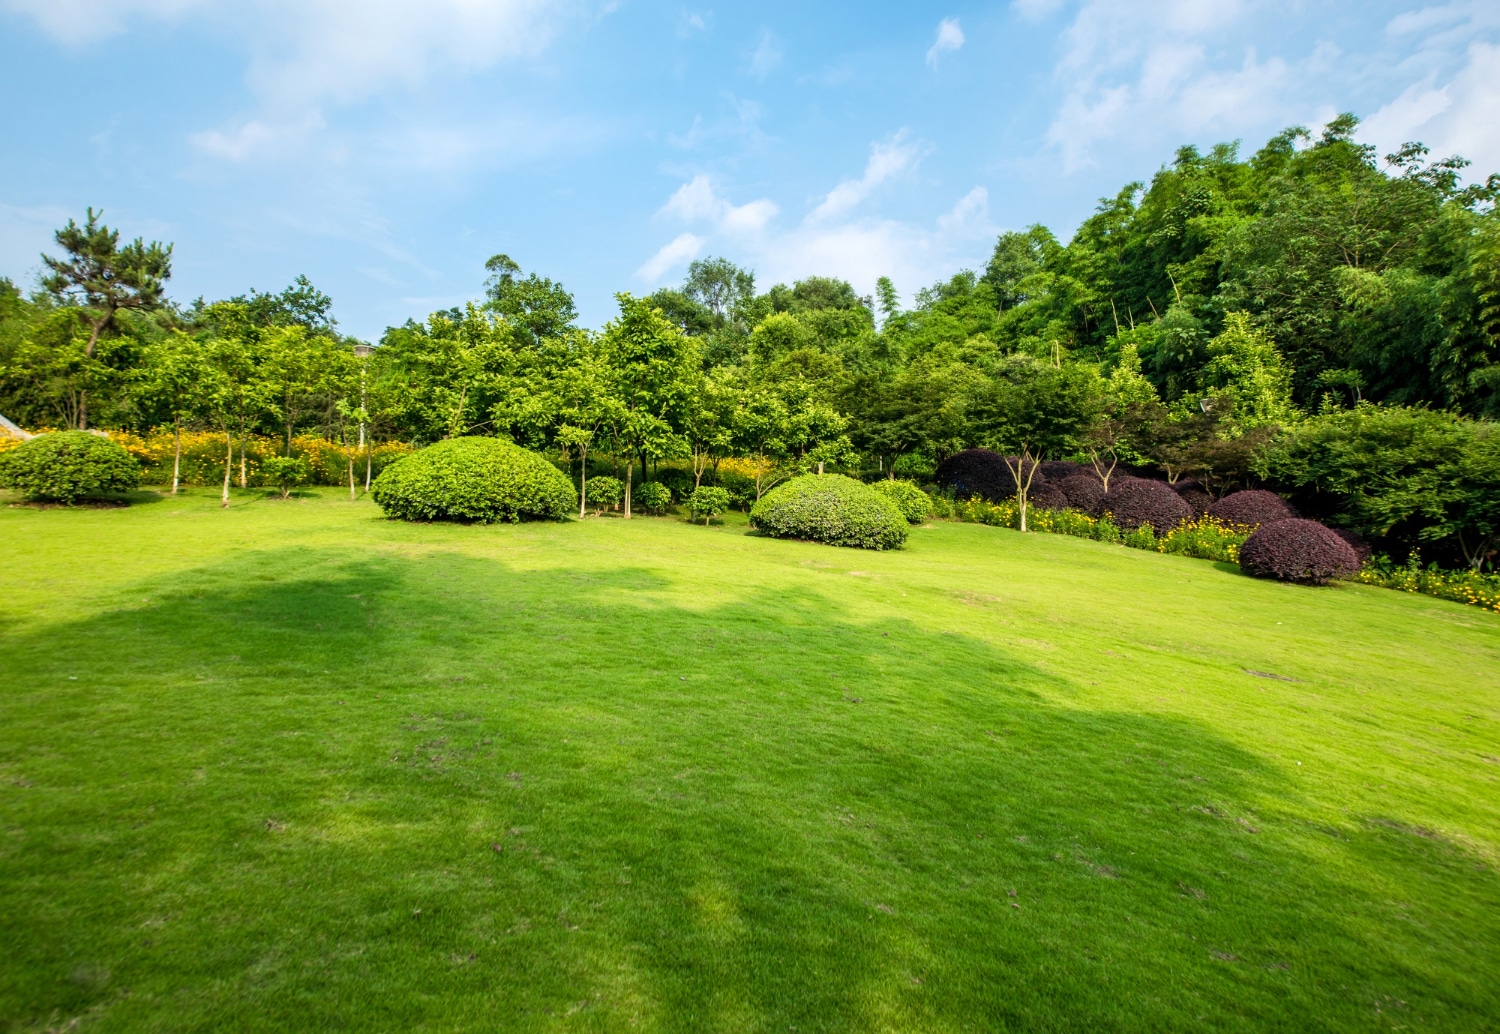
(831, 240)
(306, 54)
(682, 249)
(949, 38)
(887, 159)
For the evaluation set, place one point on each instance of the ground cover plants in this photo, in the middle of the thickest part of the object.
(294, 766)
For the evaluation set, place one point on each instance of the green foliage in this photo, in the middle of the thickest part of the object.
(604, 492)
(653, 497)
(285, 472)
(708, 501)
(474, 479)
(833, 509)
(1427, 476)
(68, 466)
(912, 501)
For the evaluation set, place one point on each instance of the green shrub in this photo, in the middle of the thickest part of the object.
(653, 497)
(604, 492)
(67, 466)
(679, 482)
(912, 501)
(285, 472)
(708, 501)
(474, 479)
(831, 508)
(741, 489)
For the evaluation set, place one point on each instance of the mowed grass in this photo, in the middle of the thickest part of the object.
(293, 767)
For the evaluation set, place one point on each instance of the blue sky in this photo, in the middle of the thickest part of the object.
(386, 149)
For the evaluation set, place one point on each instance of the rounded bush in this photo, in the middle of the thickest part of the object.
(1136, 501)
(604, 491)
(1295, 550)
(653, 497)
(830, 508)
(708, 501)
(67, 466)
(1252, 506)
(980, 472)
(915, 503)
(474, 479)
(1357, 542)
(1083, 491)
(1056, 470)
(1195, 495)
(1046, 495)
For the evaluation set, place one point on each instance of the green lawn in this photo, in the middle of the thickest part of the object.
(294, 767)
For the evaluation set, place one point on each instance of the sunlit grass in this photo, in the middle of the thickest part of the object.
(291, 766)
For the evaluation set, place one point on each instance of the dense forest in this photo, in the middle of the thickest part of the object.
(1313, 317)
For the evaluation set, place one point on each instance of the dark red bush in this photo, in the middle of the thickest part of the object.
(1135, 501)
(1047, 495)
(1295, 550)
(1083, 491)
(1195, 495)
(1357, 542)
(1252, 506)
(980, 472)
(1056, 470)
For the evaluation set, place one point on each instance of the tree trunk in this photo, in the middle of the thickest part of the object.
(583, 481)
(176, 453)
(228, 465)
(352, 496)
(820, 466)
(369, 461)
(629, 470)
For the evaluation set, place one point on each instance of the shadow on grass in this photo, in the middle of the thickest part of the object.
(317, 790)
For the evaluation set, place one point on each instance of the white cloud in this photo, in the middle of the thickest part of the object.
(683, 248)
(305, 53)
(695, 201)
(79, 22)
(949, 37)
(830, 241)
(887, 159)
(1457, 117)
(766, 55)
(1142, 73)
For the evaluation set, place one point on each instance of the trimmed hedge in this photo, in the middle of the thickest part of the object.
(1056, 470)
(830, 508)
(1296, 550)
(474, 479)
(977, 472)
(1195, 495)
(1136, 502)
(1083, 491)
(915, 503)
(1046, 495)
(67, 466)
(1252, 506)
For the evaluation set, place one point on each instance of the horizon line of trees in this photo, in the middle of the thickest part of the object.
(1197, 324)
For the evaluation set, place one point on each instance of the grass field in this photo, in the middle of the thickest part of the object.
(293, 767)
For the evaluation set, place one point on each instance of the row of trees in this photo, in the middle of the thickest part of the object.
(1187, 326)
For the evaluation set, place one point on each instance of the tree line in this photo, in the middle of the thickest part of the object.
(1222, 322)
